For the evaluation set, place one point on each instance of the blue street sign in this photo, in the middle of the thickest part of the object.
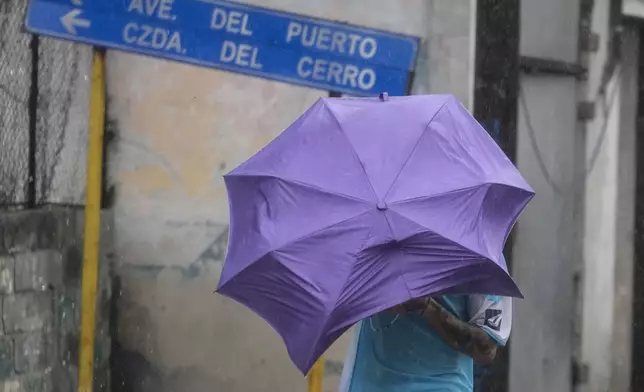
(239, 38)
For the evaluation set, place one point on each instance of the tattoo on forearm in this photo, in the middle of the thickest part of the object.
(460, 335)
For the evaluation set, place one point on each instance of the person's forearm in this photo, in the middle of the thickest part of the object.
(459, 335)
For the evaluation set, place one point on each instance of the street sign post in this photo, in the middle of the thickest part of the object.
(239, 38)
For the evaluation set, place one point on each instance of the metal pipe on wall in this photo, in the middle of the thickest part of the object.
(92, 223)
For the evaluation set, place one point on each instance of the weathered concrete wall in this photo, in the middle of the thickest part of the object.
(40, 271)
(177, 129)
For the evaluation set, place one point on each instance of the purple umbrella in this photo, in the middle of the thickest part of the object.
(362, 204)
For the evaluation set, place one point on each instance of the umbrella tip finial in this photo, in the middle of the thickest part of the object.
(383, 97)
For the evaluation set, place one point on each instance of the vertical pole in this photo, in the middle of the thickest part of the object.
(316, 375)
(495, 106)
(92, 222)
(33, 121)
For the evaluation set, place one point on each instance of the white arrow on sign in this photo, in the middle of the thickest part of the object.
(71, 21)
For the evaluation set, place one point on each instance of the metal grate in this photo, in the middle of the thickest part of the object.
(15, 85)
(44, 99)
(61, 121)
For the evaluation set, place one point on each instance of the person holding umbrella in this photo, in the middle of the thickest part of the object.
(427, 344)
(364, 204)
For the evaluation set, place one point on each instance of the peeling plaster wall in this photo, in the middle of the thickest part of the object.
(176, 129)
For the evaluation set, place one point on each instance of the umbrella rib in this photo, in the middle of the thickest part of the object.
(355, 153)
(329, 310)
(308, 235)
(302, 184)
(429, 197)
(439, 234)
(451, 240)
(402, 277)
(415, 148)
(460, 141)
(487, 184)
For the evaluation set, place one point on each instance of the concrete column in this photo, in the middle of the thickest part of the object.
(546, 246)
(541, 345)
(609, 215)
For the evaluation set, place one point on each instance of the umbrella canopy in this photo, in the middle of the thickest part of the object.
(362, 204)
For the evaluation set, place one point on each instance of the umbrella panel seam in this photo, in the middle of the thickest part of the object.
(402, 275)
(402, 168)
(306, 236)
(488, 185)
(290, 242)
(300, 183)
(447, 193)
(329, 311)
(452, 241)
(355, 152)
(440, 235)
